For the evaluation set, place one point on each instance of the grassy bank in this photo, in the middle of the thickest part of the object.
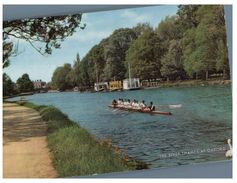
(18, 95)
(76, 152)
(187, 83)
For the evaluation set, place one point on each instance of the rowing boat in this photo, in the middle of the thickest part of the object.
(140, 110)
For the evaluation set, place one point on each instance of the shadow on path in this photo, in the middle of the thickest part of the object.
(20, 123)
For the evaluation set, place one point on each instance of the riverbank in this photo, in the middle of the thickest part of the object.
(25, 151)
(18, 95)
(188, 83)
(76, 152)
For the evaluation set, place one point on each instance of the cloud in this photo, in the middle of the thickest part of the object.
(131, 15)
(88, 35)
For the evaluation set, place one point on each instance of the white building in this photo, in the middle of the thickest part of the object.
(131, 84)
(38, 84)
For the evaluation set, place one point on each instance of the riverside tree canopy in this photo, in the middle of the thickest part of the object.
(191, 44)
(48, 32)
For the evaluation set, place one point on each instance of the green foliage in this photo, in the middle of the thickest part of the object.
(48, 31)
(9, 87)
(62, 78)
(168, 30)
(33, 106)
(95, 64)
(222, 63)
(141, 28)
(188, 16)
(144, 56)
(192, 43)
(115, 52)
(24, 84)
(204, 45)
(7, 52)
(76, 71)
(172, 66)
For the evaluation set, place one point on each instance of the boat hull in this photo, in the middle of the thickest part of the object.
(141, 111)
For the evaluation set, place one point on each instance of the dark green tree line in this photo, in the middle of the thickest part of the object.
(9, 87)
(191, 44)
(24, 84)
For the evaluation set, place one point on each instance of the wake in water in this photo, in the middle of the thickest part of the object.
(175, 106)
(171, 106)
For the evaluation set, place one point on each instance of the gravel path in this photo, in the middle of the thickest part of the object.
(25, 151)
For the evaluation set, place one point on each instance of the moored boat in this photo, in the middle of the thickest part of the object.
(140, 110)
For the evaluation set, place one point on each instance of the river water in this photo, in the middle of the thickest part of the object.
(196, 132)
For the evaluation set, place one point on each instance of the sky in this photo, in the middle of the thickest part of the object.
(99, 25)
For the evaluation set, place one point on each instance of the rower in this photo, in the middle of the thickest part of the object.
(114, 103)
(142, 104)
(125, 103)
(121, 103)
(137, 106)
(152, 107)
(133, 103)
(129, 104)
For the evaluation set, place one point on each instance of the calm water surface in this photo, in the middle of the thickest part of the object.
(194, 133)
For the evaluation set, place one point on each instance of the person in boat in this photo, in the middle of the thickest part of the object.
(133, 103)
(142, 105)
(152, 107)
(114, 103)
(126, 103)
(136, 105)
(129, 104)
(119, 102)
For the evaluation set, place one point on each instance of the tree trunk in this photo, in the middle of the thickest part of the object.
(224, 74)
(206, 74)
(196, 76)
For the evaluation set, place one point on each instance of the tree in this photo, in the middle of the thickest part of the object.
(62, 78)
(188, 16)
(24, 84)
(212, 18)
(170, 34)
(7, 52)
(115, 52)
(96, 63)
(8, 86)
(168, 30)
(222, 63)
(144, 56)
(48, 32)
(76, 70)
(205, 44)
(172, 66)
(141, 28)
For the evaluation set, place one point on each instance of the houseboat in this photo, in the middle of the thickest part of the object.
(131, 84)
(115, 86)
(101, 86)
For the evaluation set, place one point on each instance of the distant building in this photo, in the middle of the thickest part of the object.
(115, 85)
(131, 84)
(101, 86)
(38, 84)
